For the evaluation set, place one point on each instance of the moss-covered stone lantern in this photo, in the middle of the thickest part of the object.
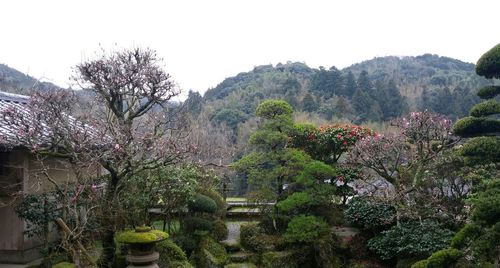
(141, 243)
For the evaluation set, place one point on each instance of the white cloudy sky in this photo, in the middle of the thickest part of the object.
(204, 41)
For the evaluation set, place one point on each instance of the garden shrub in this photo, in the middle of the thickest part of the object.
(209, 254)
(192, 224)
(444, 258)
(304, 229)
(470, 125)
(295, 201)
(120, 261)
(368, 214)
(170, 252)
(64, 265)
(219, 201)
(202, 203)
(219, 231)
(249, 237)
(465, 236)
(187, 242)
(488, 92)
(420, 264)
(272, 223)
(410, 239)
(274, 259)
(485, 108)
(489, 63)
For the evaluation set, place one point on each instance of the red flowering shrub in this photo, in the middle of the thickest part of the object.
(328, 142)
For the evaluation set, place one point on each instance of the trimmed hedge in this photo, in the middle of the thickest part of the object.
(420, 264)
(485, 108)
(219, 200)
(444, 258)
(482, 147)
(202, 203)
(470, 126)
(489, 63)
(488, 92)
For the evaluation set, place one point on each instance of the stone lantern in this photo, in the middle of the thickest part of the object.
(141, 243)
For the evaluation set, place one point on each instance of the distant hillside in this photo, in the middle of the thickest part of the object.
(371, 91)
(14, 81)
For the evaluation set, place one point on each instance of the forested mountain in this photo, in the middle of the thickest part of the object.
(14, 81)
(371, 91)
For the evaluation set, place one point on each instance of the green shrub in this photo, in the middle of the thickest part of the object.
(304, 229)
(192, 224)
(119, 261)
(210, 254)
(410, 239)
(368, 214)
(64, 265)
(420, 264)
(444, 258)
(488, 92)
(219, 231)
(487, 206)
(202, 203)
(188, 242)
(294, 201)
(406, 262)
(485, 108)
(489, 63)
(274, 259)
(465, 236)
(481, 148)
(219, 200)
(469, 126)
(170, 252)
(249, 237)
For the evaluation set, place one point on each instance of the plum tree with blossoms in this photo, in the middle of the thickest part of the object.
(403, 157)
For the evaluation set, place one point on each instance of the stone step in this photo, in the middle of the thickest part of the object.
(241, 265)
(240, 256)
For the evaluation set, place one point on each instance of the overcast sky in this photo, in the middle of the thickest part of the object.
(203, 42)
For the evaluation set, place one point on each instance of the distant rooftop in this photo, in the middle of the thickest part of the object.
(16, 98)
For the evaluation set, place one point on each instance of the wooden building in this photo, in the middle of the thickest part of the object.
(20, 175)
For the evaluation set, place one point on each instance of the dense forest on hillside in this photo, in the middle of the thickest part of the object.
(371, 91)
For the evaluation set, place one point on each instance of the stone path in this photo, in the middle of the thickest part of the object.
(233, 235)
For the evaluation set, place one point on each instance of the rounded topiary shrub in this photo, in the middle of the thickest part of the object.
(171, 254)
(202, 203)
(489, 63)
(219, 200)
(219, 231)
(304, 229)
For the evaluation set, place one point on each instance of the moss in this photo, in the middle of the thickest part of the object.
(486, 108)
(64, 265)
(473, 126)
(133, 237)
(488, 92)
(489, 63)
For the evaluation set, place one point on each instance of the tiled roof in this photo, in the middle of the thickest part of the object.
(8, 135)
